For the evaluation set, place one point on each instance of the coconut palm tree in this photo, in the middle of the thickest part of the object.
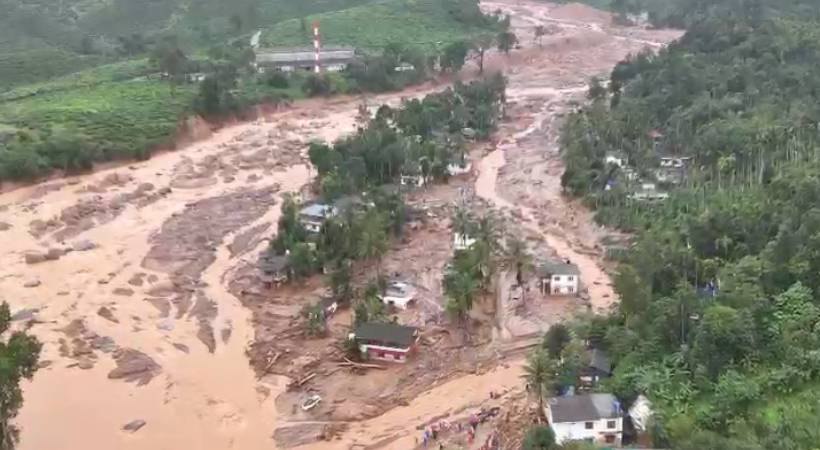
(460, 288)
(539, 372)
(517, 257)
(372, 242)
(488, 230)
(463, 222)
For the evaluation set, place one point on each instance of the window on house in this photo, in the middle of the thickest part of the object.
(609, 438)
(610, 424)
(588, 425)
(570, 289)
(381, 354)
(570, 278)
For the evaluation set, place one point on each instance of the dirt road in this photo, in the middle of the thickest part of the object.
(122, 273)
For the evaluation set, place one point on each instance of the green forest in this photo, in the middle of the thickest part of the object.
(84, 81)
(720, 299)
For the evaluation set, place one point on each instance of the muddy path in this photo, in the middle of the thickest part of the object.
(124, 273)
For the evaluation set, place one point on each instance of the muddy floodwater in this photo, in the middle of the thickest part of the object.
(123, 274)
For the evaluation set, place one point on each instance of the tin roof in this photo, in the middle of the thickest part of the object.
(582, 408)
(304, 55)
(557, 268)
(388, 333)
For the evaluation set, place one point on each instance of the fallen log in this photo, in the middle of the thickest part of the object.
(306, 379)
(349, 363)
(271, 362)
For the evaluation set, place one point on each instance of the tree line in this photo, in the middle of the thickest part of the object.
(719, 293)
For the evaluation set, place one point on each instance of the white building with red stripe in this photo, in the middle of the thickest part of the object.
(386, 341)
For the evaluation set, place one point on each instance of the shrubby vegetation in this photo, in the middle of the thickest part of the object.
(719, 295)
(19, 355)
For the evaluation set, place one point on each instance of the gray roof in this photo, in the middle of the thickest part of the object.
(582, 408)
(304, 55)
(549, 268)
(388, 333)
(271, 264)
(599, 360)
(317, 210)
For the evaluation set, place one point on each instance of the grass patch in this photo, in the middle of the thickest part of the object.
(122, 118)
(32, 66)
(121, 71)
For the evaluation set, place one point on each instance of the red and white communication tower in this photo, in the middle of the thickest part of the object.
(317, 47)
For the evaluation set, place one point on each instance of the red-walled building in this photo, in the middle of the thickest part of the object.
(386, 341)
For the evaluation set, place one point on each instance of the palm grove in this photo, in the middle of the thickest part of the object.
(422, 138)
(720, 300)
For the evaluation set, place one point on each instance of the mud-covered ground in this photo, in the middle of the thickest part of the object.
(138, 278)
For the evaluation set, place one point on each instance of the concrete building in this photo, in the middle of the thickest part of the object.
(274, 269)
(559, 278)
(313, 216)
(399, 294)
(648, 192)
(386, 341)
(331, 59)
(599, 367)
(594, 418)
(462, 241)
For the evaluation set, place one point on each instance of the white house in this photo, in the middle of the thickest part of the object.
(559, 278)
(676, 162)
(615, 159)
(595, 418)
(398, 294)
(412, 179)
(456, 169)
(462, 241)
(313, 216)
(648, 192)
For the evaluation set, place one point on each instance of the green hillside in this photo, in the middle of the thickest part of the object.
(41, 39)
(88, 81)
(415, 22)
(720, 294)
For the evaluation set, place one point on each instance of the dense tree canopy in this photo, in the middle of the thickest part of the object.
(19, 354)
(719, 312)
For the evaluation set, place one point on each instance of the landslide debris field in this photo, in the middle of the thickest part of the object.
(158, 332)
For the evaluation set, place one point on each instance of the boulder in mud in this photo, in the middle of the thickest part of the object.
(134, 426)
(83, 246)
(32, 283)
(54, 254)
(124, 292)
(107, 314)
(34, 257)
(4, 226)
(134, 366)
